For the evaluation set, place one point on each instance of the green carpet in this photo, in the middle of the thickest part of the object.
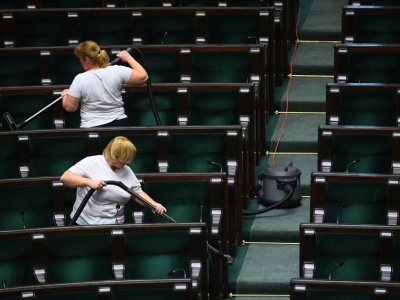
(267, 268)
(264, 267)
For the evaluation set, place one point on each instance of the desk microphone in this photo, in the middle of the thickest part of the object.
(173, 272)
(342, 206)
(165, 34)
(336, 266)
(353, 162)
(201, 210)
(215, 163)
(22, 217)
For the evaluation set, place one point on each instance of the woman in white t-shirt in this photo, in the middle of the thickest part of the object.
(98, 89)
(106, 204)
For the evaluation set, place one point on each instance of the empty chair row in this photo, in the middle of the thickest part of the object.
(145, 26)
(176, 104)
(370, 24)
(366, 63)
(313, 289)
(160, 289)
(95, 253)
(365, 104)
(354, 198)
(349, 252)
(121, 26)
(45, 202)
(358, 149)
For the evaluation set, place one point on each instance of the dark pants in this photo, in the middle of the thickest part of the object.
(115, 123)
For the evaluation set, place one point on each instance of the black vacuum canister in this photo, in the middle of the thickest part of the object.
(273, 181)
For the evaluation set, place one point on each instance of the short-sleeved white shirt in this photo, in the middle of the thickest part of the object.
(100, 94)
(101, 208)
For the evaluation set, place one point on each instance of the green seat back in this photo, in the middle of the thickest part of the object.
(374, 152)
(150, 256)
(64, 68)
(162, 67)
(39, 31)
(21, 107)
(81, 257)
(70, 3)
(16, 262)
(213, 108)
(368, 108)
(139, 109)
(52, 156)
(384, 69)
(232, 29)
(8, 157)
(360, 254)
(24, 70)
(168, 29)
(220, 67)
(190, 153)
(377, 28)
(365, 202)
(114, 29)
(29, 205)
(183, 199)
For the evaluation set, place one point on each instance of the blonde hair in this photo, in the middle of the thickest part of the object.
(120, 149)
(90, 51)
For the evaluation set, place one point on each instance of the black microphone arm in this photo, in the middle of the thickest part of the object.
(353, 162)
(210, 162)
(173, 272)
(227, 257)
(342, 206)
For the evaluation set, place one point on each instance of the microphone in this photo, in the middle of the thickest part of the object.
(117, 60)
(173, 272)
(342, 206)
(116, 217)
(201, 210)
(22, 217)
(162, 40)
(353, 162)
(214, 163)
(336, 266)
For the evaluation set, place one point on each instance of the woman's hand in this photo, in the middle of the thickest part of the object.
(96, 184)
(159, 208)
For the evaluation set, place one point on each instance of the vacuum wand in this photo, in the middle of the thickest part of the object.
(228, 258)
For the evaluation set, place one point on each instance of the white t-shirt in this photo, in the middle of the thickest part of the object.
(101, 208)
(100, 94)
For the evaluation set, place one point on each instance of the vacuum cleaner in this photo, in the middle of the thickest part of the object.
(14, 126)
(280, 188)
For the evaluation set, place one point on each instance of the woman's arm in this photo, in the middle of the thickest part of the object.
(69, 103)
(73, 180)
(158, 207)
(138, 75)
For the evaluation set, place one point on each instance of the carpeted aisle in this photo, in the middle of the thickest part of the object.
(270, 257)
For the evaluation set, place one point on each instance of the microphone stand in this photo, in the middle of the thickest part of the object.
(227, 257)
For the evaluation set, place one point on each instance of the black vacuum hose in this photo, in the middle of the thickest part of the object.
(289, 193)
(149, 88)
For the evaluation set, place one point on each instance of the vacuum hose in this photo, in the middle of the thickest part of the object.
(227, 257)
